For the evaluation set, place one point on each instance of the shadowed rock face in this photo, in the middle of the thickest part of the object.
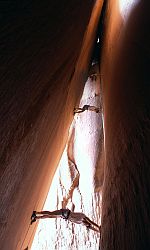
(39, 87)
(126, 95)
(40, 46)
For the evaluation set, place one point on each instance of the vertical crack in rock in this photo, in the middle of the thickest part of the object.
(76, 183)
(74, 172)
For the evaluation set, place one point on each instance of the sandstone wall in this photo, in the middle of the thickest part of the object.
(40, 83)
(126, 95)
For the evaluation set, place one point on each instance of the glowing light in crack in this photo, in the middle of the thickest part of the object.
(59, 234)
(126, 6)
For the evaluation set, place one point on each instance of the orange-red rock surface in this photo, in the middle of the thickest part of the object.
(126, 96)
(42, 74)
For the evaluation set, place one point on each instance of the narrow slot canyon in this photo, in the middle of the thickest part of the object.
(77, 167)
(57, 56)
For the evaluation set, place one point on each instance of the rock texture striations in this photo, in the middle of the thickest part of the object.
(126, 98)
(40, 82)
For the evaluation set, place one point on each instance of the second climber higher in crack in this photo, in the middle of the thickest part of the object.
(86, 107)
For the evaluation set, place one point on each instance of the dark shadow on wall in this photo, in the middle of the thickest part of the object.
(35, 56)
(96, 55)
(126, 192)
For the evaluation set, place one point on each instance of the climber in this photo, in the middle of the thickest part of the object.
(66, 214)
(94, 76)
(86, 107)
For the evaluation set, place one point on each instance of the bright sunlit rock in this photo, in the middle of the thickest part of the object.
(126, 6)
(79, 175)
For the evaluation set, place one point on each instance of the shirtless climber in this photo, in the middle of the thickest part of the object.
(66, 214)
(86, 107)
